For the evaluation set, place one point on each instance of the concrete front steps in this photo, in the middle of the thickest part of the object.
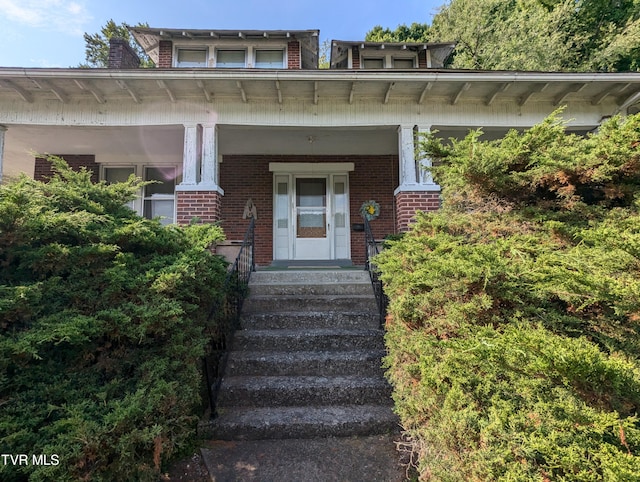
(306, 362)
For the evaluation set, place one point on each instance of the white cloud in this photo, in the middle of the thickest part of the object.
(55, 15)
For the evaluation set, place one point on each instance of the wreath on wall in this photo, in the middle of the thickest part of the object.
(370, 210)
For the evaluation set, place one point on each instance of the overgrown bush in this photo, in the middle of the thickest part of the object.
(102, 330)
(514, 320)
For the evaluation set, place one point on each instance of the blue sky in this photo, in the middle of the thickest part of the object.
(48, 33)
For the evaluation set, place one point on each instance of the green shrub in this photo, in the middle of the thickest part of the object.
(103, 329)
(514, 318)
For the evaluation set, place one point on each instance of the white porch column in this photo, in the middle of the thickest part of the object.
(3, 130)
(424, 177)
(190, 155)
(209, 176)
(406, 151)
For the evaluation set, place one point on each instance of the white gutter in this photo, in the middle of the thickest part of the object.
(315, 75)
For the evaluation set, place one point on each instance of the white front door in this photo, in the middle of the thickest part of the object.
(312, 226)
(311, 217)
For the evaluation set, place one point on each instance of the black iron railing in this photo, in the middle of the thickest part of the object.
(371, 249)
(224, 317)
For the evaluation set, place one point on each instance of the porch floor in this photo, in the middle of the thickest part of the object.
(328, 264)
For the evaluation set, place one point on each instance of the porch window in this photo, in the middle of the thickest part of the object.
(269, 59)
(159, 199)
(120, 174)
(373, 63)
(231, 59)
(192, 58)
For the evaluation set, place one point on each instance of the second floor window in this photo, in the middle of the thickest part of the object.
(269, 59)
(192, 58)
(231, 59)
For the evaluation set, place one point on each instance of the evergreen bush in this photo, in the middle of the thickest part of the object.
(102, 329)
(514, 319)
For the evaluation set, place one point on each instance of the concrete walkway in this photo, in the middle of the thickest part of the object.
(341, 459)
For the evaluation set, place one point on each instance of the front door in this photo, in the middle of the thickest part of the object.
(312, 226)
(311, 217)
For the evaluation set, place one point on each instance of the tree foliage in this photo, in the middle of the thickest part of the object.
(97, 45)
(416, 32)
(514, 326)
(545, 35)
(103, 326)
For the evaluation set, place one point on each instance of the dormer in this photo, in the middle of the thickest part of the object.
(230, 49)
(389, 55)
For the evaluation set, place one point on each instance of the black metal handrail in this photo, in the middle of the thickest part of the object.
(224, 316)
(371, 250)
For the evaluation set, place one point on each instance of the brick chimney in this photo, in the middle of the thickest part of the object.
(121, 55)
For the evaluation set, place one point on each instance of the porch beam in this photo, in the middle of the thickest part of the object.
(163, 85)
(243, 94)
(46, 85)
(202, 87)
(24, 95)
(573, 89)
(461, 91)
(123, 85)
(84, 85)
(425, 91)
(388, 94)
(534, 90)
(502, 88)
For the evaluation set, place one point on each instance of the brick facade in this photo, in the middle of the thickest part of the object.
(407, 203)
(165, 54)
(121, 55)
(204, 205)
(43, 171)
(293, 55)
(244, 177)
(355, 57)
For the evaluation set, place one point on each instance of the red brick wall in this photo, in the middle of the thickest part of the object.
(165, 54)
(204, 205)
(293, 55)
(43, 171)
(407, 203)
(422, 59)
(355, 58)
(244, 177)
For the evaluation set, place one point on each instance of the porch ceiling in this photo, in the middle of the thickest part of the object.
(444, 86)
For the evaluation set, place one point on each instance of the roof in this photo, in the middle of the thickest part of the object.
(443, 86)
(441, 50)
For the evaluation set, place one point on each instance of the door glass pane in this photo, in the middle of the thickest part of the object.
(311, 208)
(340, 204)
(119, 174)
(282, 204)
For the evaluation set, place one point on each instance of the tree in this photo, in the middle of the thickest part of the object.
(417, 32)
(97, 45)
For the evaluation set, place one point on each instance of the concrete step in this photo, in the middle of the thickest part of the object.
(309, 319)
(301, 422)
(270, 303)
(316, 363)
(310, 276)
(284, 289)
(334, 339)
(262, 391)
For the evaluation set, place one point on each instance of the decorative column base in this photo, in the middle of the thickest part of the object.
(203, 205)
(408, 202)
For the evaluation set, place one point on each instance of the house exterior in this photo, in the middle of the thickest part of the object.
(235, 118)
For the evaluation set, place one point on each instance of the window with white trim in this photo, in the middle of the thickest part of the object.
(403, 63)
(373, 63)
(231, 59)
(156, 200)
(269, 59)
(191, 58)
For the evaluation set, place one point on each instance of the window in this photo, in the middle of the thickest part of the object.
(231, 59)
(403, 63)
(155, 200)
(373, 63)
(192, 58)
(159, 199)
(269, 59)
